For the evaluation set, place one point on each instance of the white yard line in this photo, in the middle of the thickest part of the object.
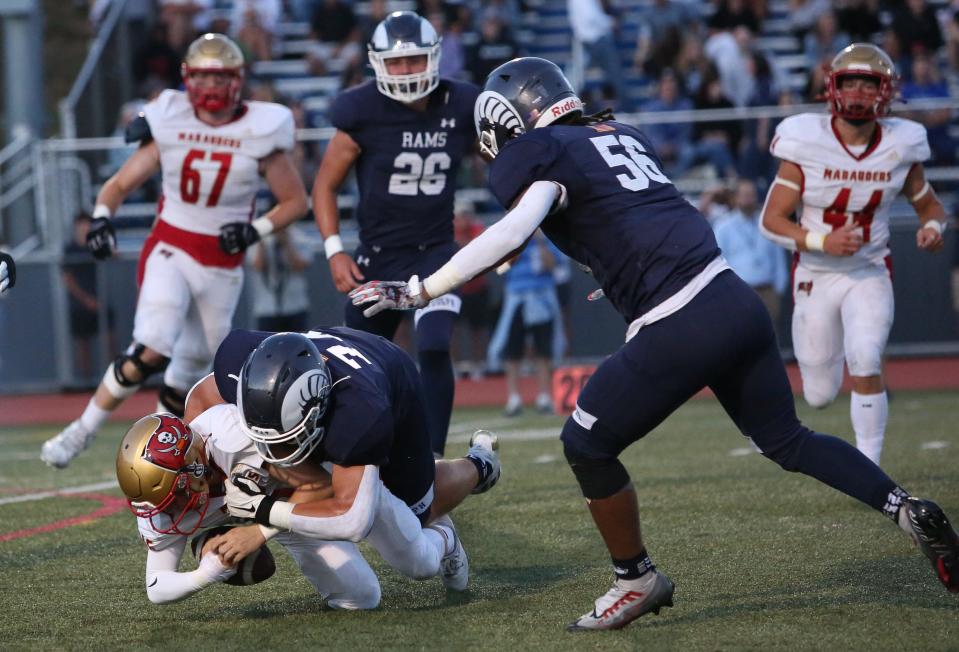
(25, 498)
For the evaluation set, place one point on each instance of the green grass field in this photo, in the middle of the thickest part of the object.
(762, 559)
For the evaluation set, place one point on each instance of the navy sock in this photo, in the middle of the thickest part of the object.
(436, 371)
(633, 569)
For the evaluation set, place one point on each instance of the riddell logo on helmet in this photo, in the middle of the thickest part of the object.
(571, 104)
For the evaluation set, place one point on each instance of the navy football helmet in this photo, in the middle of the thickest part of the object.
(520, 95)
(283, 393)
(405, 34)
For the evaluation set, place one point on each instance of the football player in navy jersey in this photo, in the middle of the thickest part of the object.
(354, 400)
(8, 272)
(596, 189)
(406, 133)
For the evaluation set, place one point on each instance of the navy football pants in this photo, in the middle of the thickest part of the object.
(723, 339)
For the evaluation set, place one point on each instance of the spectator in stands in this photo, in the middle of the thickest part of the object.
(731, 14)
(661, 29)
(802, 15)
(474, 322)
(156, 61)
(691, 64)
(755, 161)
(494, 47)
(253, 25)
(80, 280)
(756, 260)
(184, 19)
(715, 203)
(452, 49)
(336, 35)
(301, 11)
(279, 262)
(732, 54)
(715, 141)
(378, 10)
(815, 90)
(926, 82)
(671, 138)
(595, 28)
(917, 27)
(824, 39)
(859, 18)
(530, 309)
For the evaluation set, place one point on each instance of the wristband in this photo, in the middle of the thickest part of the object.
(443, 280)
(815, 241)
(333, 245)
(936, 225)
(102, 210)
(279, 515)
(267, 532)
(263, 226)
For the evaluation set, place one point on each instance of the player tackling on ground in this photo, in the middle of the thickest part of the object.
(596, 188)
(846, 168)
(212, 150)
(172, 478)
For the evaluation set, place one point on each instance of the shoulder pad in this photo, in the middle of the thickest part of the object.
(794, 135)
(911, 138)
(138, 131)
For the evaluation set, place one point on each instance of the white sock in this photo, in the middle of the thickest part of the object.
(869, 413)
(93, 417)
(439, 536)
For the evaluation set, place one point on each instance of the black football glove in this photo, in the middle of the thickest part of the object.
(101, 238)
(235, 237)
(8, 272)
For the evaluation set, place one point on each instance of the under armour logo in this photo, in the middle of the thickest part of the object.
(444, 123)
(804, 286)
(166, 253)
(363, 260)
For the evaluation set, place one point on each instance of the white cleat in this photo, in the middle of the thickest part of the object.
(625, 602)
(483, 447)
(455, 566)
(60, 450)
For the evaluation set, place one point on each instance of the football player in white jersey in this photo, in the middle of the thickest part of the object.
(172, 480)
(845, 168)
(212, 150)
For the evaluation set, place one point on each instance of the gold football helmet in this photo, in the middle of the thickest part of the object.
(861, 60)
(213, 53)
(162, 469)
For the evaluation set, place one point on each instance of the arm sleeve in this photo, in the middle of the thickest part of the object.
(499, 240)
(519, 164)
(782, 240)
(164, 584)
(352, 525)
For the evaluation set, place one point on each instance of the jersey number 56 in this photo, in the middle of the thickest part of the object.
(641, 169)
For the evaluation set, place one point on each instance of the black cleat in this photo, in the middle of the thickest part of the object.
(932, 532)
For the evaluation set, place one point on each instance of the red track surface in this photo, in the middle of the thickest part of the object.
(901, 374)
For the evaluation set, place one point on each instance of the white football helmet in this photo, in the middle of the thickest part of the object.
(405, 34)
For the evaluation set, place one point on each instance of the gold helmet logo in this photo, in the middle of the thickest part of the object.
(213, 52)
(863, 60)
(161, 467)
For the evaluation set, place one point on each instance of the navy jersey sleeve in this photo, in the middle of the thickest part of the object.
(230, 357)
(344, 111)
(521, 162)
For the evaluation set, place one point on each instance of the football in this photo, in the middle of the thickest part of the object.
(254, 568)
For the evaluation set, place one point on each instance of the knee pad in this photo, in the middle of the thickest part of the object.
(122, 384)
(171, 400)
(817, 398)
(820, 388)
(598, 478)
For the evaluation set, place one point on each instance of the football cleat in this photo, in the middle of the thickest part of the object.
(624, 603)
(931, 531)
(454, 566)
(483, 448)
(60, 450)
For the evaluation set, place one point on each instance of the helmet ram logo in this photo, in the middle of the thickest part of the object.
(496, 121)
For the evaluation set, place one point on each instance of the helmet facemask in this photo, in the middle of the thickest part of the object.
(213, 53)
(865, 61)
(409, 87)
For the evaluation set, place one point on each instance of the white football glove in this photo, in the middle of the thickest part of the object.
(213, 569)
(388, 295)
(244, 494)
